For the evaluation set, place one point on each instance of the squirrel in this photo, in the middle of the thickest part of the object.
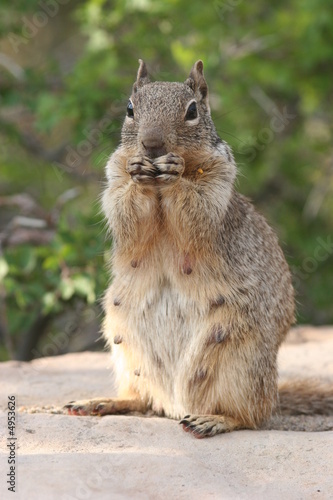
(201, 296)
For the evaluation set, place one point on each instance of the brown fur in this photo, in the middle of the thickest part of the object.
(201, 296)
(306, 397)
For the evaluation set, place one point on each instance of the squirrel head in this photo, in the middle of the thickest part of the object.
(165, 117)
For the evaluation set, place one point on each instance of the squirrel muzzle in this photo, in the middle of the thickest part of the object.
(153, 143)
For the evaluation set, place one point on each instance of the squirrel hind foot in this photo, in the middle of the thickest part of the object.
(202, 426)
(104, 406)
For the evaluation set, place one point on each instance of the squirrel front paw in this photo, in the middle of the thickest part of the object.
(141, 169)
(170, 168)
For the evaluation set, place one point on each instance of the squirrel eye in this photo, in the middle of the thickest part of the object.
(192, 111)
(130, 111)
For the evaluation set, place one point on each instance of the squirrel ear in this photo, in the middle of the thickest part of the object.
(196, 80)
(142, 76)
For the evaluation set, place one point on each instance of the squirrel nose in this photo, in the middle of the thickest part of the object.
(153, 143)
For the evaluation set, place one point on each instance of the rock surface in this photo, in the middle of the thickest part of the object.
(120, 457)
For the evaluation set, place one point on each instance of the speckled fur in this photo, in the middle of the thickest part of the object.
(201, 296)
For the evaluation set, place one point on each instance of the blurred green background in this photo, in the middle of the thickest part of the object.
(66, 70)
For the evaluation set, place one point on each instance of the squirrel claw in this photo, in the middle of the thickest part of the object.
(141, 169)
(169, 168)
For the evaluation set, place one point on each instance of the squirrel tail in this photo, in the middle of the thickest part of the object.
(306, 397)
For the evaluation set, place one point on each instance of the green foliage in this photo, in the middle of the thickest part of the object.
(46, 278)
(269, 69)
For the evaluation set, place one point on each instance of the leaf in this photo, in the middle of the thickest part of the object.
(4, 268)
(67, 289)
(50, 302)
(85, 286)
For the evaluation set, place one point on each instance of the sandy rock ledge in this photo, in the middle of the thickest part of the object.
(131, 457)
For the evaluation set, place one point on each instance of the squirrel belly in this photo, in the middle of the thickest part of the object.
(193, 342)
